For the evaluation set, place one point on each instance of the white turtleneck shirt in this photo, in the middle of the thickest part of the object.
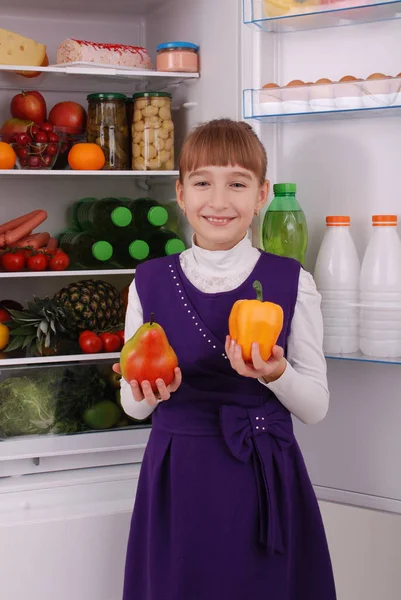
(302, 388)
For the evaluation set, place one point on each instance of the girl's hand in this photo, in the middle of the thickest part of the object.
(144, 391)
(259, 369)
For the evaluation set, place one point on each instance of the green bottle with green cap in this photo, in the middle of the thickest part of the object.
(129, 255)
(147, 215)
(85, 251)
(285, 230)
(164, 243)
(104, 218)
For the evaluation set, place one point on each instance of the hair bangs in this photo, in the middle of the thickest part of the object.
(223, 143)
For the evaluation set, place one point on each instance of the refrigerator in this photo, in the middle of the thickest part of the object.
(66, 499)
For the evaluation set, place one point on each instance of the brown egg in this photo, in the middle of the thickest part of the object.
(322, 81)
(269, 86)
(348, 96)
(295, 82)
(322, 90)
(377, 76)
(349, 78)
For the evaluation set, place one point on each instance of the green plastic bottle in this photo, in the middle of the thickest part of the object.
(147, 214)
(85, 251)
(165, 243)
(129, 255)
(285, 231)
(105, 218)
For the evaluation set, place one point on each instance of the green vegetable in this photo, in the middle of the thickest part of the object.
(80, 388)
(52, 400)
(103, 415)
(27, 404)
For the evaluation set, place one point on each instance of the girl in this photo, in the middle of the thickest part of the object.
(224, 508)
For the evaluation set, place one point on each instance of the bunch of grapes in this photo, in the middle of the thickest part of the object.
(37, 148)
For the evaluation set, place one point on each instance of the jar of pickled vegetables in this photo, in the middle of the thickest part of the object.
(152, 132)
(108, 128)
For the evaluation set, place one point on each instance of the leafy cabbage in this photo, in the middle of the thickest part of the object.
(27, 403)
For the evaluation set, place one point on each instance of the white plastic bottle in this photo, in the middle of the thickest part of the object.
(336, 275)
(380, 291)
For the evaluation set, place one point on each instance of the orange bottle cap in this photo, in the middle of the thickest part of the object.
(384, 220)
(338, 221)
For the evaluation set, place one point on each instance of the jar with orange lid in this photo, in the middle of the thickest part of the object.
(179, 57)
(152, 132)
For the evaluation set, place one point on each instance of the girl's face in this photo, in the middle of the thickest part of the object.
(220, 203)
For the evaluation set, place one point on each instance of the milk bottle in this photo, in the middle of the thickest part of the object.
(337, 279)
(380, 291)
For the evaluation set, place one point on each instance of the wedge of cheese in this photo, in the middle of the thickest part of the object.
(16, 49)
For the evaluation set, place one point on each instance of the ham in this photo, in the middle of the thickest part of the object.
(107, 54)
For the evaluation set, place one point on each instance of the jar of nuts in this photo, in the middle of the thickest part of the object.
(152, 132)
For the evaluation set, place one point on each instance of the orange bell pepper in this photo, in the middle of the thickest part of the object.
(256, 321)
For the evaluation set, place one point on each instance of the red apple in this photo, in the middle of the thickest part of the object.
(13, 126)
(29, 105)
(68, 115)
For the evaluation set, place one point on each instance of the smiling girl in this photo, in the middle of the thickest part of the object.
(224, 508)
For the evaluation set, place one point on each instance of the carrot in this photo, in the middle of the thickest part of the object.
(52, 244)
(20, 220)
(12, 236)
(36, 240)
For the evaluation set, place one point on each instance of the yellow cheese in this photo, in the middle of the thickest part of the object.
(18, 50)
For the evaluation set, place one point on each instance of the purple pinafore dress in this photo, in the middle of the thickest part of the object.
(224, 508)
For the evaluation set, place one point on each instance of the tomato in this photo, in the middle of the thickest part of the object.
(111, 342)
(37, 262)
(59, 262)
(4, 316)
(13, 261)
(91, 344)
(120, 334)
(85, 334)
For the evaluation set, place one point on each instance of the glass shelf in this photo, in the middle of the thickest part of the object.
(59, 359)
(71, 173)
(89, 78)
(66, 273)
(359, 357)
(285, 16)
(345, 100)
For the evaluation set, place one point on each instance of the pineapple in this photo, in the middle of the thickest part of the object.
(38, 327)
(93, 305)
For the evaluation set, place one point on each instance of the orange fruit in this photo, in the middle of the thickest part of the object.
(4, 336)
(7, 156)
(86, 157)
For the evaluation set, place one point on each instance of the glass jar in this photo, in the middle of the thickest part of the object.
(108, 128)
(152, 132)
(178, 57)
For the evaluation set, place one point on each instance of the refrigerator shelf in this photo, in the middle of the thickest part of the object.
(359, 357)
(67, 273)
(59, 360)
(70, 173)
(90, 79)
(346, 100)
(333, 14)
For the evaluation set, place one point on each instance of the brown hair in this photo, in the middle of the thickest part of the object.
(223, 142)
